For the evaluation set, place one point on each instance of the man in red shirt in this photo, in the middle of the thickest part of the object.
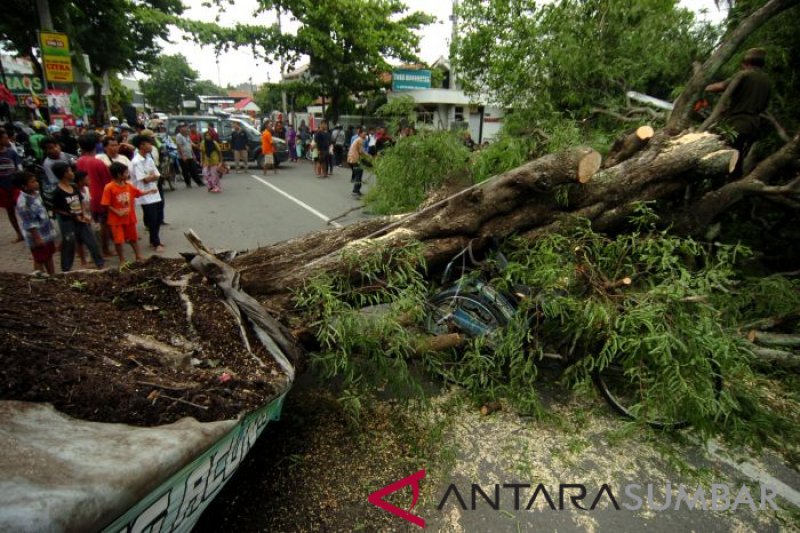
(99, 177)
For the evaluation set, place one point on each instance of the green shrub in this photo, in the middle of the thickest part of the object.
(408, 171)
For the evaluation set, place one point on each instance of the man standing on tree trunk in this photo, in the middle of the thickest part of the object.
(749, 91)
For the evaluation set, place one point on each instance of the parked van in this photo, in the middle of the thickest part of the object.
(224, 126)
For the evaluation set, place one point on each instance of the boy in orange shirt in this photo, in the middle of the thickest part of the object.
(119, 196)
(268, 149)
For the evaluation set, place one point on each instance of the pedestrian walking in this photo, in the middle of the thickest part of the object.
(186, 157)
(268, 149)
(291, 142)
(211, 157)
(354, 156)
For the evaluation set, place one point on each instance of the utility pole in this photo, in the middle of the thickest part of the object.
(45, 19)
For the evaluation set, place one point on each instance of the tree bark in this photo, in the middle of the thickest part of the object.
(626, 145)
(710, 205)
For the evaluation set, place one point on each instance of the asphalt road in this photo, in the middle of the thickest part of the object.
(256, 210)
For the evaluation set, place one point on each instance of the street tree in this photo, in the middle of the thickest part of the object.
(117, 35)
(207, 87)
(602, 298)
(348, 43)
(171, 81)
(575, 55)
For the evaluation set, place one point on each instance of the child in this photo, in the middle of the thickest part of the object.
(74, 226)
(38, 231)
(118, 197)
(82, 184)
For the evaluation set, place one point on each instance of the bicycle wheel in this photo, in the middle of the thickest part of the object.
(627, 394)
(464, 311)
(167, 173)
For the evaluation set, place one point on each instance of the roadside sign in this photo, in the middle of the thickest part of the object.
(54, 44)
(58, 69)
(409, 80)
(56, 57)
(23, 84)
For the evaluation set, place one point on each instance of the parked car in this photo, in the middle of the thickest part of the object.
(224, 126)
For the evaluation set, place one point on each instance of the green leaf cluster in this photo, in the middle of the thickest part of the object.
(676, 328)
(441, 158)
(171, 81)
(571, 55)
(359, 321)
(437, 157)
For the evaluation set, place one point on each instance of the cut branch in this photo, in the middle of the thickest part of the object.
(628, 144)
(780, 358)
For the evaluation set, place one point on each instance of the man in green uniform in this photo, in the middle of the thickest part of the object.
(749, 90)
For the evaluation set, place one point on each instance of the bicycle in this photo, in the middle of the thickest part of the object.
(473, 306)
(169, 164)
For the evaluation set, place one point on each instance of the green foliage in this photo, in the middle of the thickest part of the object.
(442, 158)
(207, 88)
(120, 95)
(171, 80)
(675, 328)
(400, 111)
(573, 55)
(437, 157)
(349, 42)
(363, 341)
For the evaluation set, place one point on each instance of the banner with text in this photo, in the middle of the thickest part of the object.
(409, 80)
(56, 57)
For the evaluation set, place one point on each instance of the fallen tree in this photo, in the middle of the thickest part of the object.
(686, 172)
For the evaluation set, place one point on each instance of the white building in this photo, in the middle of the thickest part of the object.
(449, 108)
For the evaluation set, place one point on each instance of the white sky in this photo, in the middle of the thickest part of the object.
(240, 66)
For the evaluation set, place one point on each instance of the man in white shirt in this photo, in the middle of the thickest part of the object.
(111, 153)
(144, 176)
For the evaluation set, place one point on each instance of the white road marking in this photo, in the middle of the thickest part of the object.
(755, 473)
(298, 202)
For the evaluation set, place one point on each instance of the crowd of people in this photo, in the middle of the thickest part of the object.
(337, 147)
(76, 193)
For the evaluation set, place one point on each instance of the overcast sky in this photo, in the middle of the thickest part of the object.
(240, 66)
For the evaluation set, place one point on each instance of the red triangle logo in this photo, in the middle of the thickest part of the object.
(376, 498)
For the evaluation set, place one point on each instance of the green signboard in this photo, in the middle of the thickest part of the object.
(23, 84)
(409, 80)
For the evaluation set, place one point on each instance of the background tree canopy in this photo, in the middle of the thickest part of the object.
(171, 81)
(572, 55)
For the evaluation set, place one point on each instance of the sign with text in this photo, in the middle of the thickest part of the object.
(55, 57)
(409, 80)
(54, 44)
(24, 84)
(21, 76)
(58, 69)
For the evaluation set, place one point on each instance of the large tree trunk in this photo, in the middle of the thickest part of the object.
(529, 200)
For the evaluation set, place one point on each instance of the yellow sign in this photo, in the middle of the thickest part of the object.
(58, 69)
(54, 44)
